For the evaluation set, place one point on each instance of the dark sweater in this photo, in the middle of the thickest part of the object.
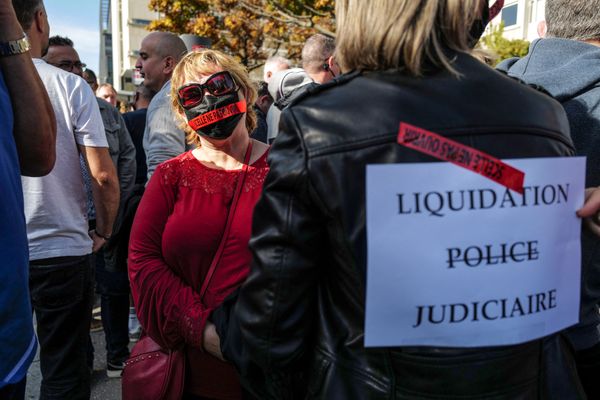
(570, 71)
(136, 122)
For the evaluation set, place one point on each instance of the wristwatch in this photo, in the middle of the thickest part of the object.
(14, 47)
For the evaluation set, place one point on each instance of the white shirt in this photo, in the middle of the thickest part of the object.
(55, 204)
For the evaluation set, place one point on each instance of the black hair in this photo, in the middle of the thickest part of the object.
(60, 41)
(263, 89)
(25, 10)
(91, 73)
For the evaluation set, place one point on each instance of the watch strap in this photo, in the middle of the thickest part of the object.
(14, 47)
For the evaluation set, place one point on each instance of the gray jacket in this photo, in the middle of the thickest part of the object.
(163, 139)
(281, 87)
(570, 71)
(122, 152)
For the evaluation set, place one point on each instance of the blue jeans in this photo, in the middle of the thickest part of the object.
(62, 297)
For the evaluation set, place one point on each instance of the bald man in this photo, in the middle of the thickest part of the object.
(159, 53)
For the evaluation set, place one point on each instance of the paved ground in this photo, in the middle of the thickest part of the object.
(103, 388)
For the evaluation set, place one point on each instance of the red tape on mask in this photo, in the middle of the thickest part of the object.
(217, 115)
(467, 157)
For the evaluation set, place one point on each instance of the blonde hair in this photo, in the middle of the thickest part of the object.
(206, 62)
(403, 34)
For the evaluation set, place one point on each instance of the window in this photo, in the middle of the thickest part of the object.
(139, 22)
(509, 15)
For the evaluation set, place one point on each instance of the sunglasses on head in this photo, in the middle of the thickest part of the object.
(219, 84)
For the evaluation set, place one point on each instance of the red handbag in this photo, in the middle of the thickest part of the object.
(154, 373)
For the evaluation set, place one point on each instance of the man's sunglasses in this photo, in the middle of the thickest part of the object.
(219, 84)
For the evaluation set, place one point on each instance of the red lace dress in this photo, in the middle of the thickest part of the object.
(175, 234)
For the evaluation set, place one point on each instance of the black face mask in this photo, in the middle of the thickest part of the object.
(216, 116)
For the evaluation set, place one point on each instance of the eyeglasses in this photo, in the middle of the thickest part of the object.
(219, 84)
(69, 65)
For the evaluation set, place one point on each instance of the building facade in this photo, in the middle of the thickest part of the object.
(521, 18)
(123, 26)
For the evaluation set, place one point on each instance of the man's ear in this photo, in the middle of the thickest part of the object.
(40, 21)
(264, 99)
(541, 29)
(170, 64)
(331, 62)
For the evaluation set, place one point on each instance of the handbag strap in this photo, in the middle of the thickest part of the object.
(230, 214)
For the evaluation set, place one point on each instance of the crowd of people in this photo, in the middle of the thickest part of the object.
(229, 216)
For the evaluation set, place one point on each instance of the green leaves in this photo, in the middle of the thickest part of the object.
(502, 47)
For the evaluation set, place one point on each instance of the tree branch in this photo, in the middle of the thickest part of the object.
(286, 18)
(315, 11)
(287, 13)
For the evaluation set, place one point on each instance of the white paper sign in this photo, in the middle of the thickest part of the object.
(455, 259)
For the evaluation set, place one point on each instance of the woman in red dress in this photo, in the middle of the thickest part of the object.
(182, 216)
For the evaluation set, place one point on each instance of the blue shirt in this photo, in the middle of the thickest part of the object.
(17, 340)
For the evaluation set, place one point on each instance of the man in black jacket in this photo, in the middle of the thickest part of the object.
(566, 64)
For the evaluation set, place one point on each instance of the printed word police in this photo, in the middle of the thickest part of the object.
(440, 203)
(490, 254)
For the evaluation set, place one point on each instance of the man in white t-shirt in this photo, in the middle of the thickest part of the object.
(61, 277)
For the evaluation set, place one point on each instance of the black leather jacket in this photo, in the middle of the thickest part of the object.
(302, 308)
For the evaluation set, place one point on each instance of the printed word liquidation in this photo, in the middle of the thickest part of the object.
(439, 204)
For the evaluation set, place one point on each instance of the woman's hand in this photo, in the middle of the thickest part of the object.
(211, 341)
(591, 210)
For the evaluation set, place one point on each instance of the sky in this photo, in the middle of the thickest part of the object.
(79, 21)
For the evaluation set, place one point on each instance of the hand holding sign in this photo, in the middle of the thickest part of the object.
(591, 210)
